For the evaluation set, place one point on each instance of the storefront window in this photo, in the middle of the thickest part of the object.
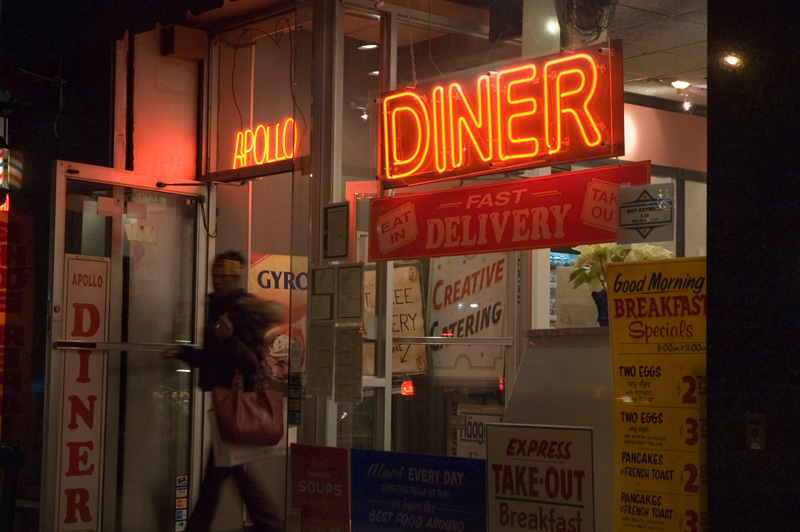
(430, 383)
(260, 116)
(441, 391)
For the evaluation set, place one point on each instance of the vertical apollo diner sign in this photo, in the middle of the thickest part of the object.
(83, 386)
(536, 112)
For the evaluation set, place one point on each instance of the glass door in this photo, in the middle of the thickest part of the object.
(126, 288)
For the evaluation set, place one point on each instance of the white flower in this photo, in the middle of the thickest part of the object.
(590, 266)
(647, 252)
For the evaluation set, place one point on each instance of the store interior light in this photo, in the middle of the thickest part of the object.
(367, 46)
(732, 60)
(552, 26)
(374, 73)
(680, 84)
(687, 105)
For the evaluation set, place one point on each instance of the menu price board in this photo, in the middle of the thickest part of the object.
(657, 313)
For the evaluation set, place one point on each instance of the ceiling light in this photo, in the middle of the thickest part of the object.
(732, 60)
(367, 46)
(374, 73)
(679, 84)
(552, 27)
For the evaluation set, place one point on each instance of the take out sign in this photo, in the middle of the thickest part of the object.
(561, 108)
(561, 210)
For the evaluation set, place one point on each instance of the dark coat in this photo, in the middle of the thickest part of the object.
(220, 357)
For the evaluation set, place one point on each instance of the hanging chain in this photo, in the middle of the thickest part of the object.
(572, 24)
(411, 46)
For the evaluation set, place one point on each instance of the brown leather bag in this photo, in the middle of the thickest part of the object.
(249, 417)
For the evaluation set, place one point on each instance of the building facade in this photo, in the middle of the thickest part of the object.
(256, 132)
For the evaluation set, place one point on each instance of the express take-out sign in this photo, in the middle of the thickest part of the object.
(540, 112)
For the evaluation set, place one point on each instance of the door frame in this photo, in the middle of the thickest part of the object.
(64, 170)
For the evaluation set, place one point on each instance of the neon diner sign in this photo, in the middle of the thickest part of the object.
(557, 109)
(266, 144)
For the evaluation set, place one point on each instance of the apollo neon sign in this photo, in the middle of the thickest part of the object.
(265, 144)
(556, 109)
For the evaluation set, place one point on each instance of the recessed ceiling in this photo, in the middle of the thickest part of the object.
(663, 40)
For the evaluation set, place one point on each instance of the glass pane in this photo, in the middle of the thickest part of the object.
(159, 250)
(155, 436)
(262, 118)
(356, 423)
(150, 238)
(452, 412)
(426, 54)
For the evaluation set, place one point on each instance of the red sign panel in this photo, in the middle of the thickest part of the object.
(321, 487)
(555, 109)
(561, 210)
(83, 373)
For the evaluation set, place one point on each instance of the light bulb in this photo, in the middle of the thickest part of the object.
(732, 60)
(679, 84)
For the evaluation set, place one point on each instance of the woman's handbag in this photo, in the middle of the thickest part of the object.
(254, 418)
(227, 454)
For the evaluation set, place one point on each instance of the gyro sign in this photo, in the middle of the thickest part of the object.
(549, 110)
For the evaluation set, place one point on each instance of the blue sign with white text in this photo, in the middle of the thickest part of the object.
(402, 491)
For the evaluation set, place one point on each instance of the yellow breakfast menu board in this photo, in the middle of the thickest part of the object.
(657, 313)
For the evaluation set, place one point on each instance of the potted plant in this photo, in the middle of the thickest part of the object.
(590, 267)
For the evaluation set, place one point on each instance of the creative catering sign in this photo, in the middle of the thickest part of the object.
(549, 110)
(565, 209)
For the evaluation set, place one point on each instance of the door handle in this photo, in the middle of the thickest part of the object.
(116, 346)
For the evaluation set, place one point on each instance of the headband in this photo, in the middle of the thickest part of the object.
(226, 267)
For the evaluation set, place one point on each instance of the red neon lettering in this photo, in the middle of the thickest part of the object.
(504, 118)
(462, 118)
(440, 148)
(418, 112)
(265, 144)
(77, 499)
(574, 102)
(77, 408)
(265, 135)
(94, 320)
(78, 457)
(512, 111)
